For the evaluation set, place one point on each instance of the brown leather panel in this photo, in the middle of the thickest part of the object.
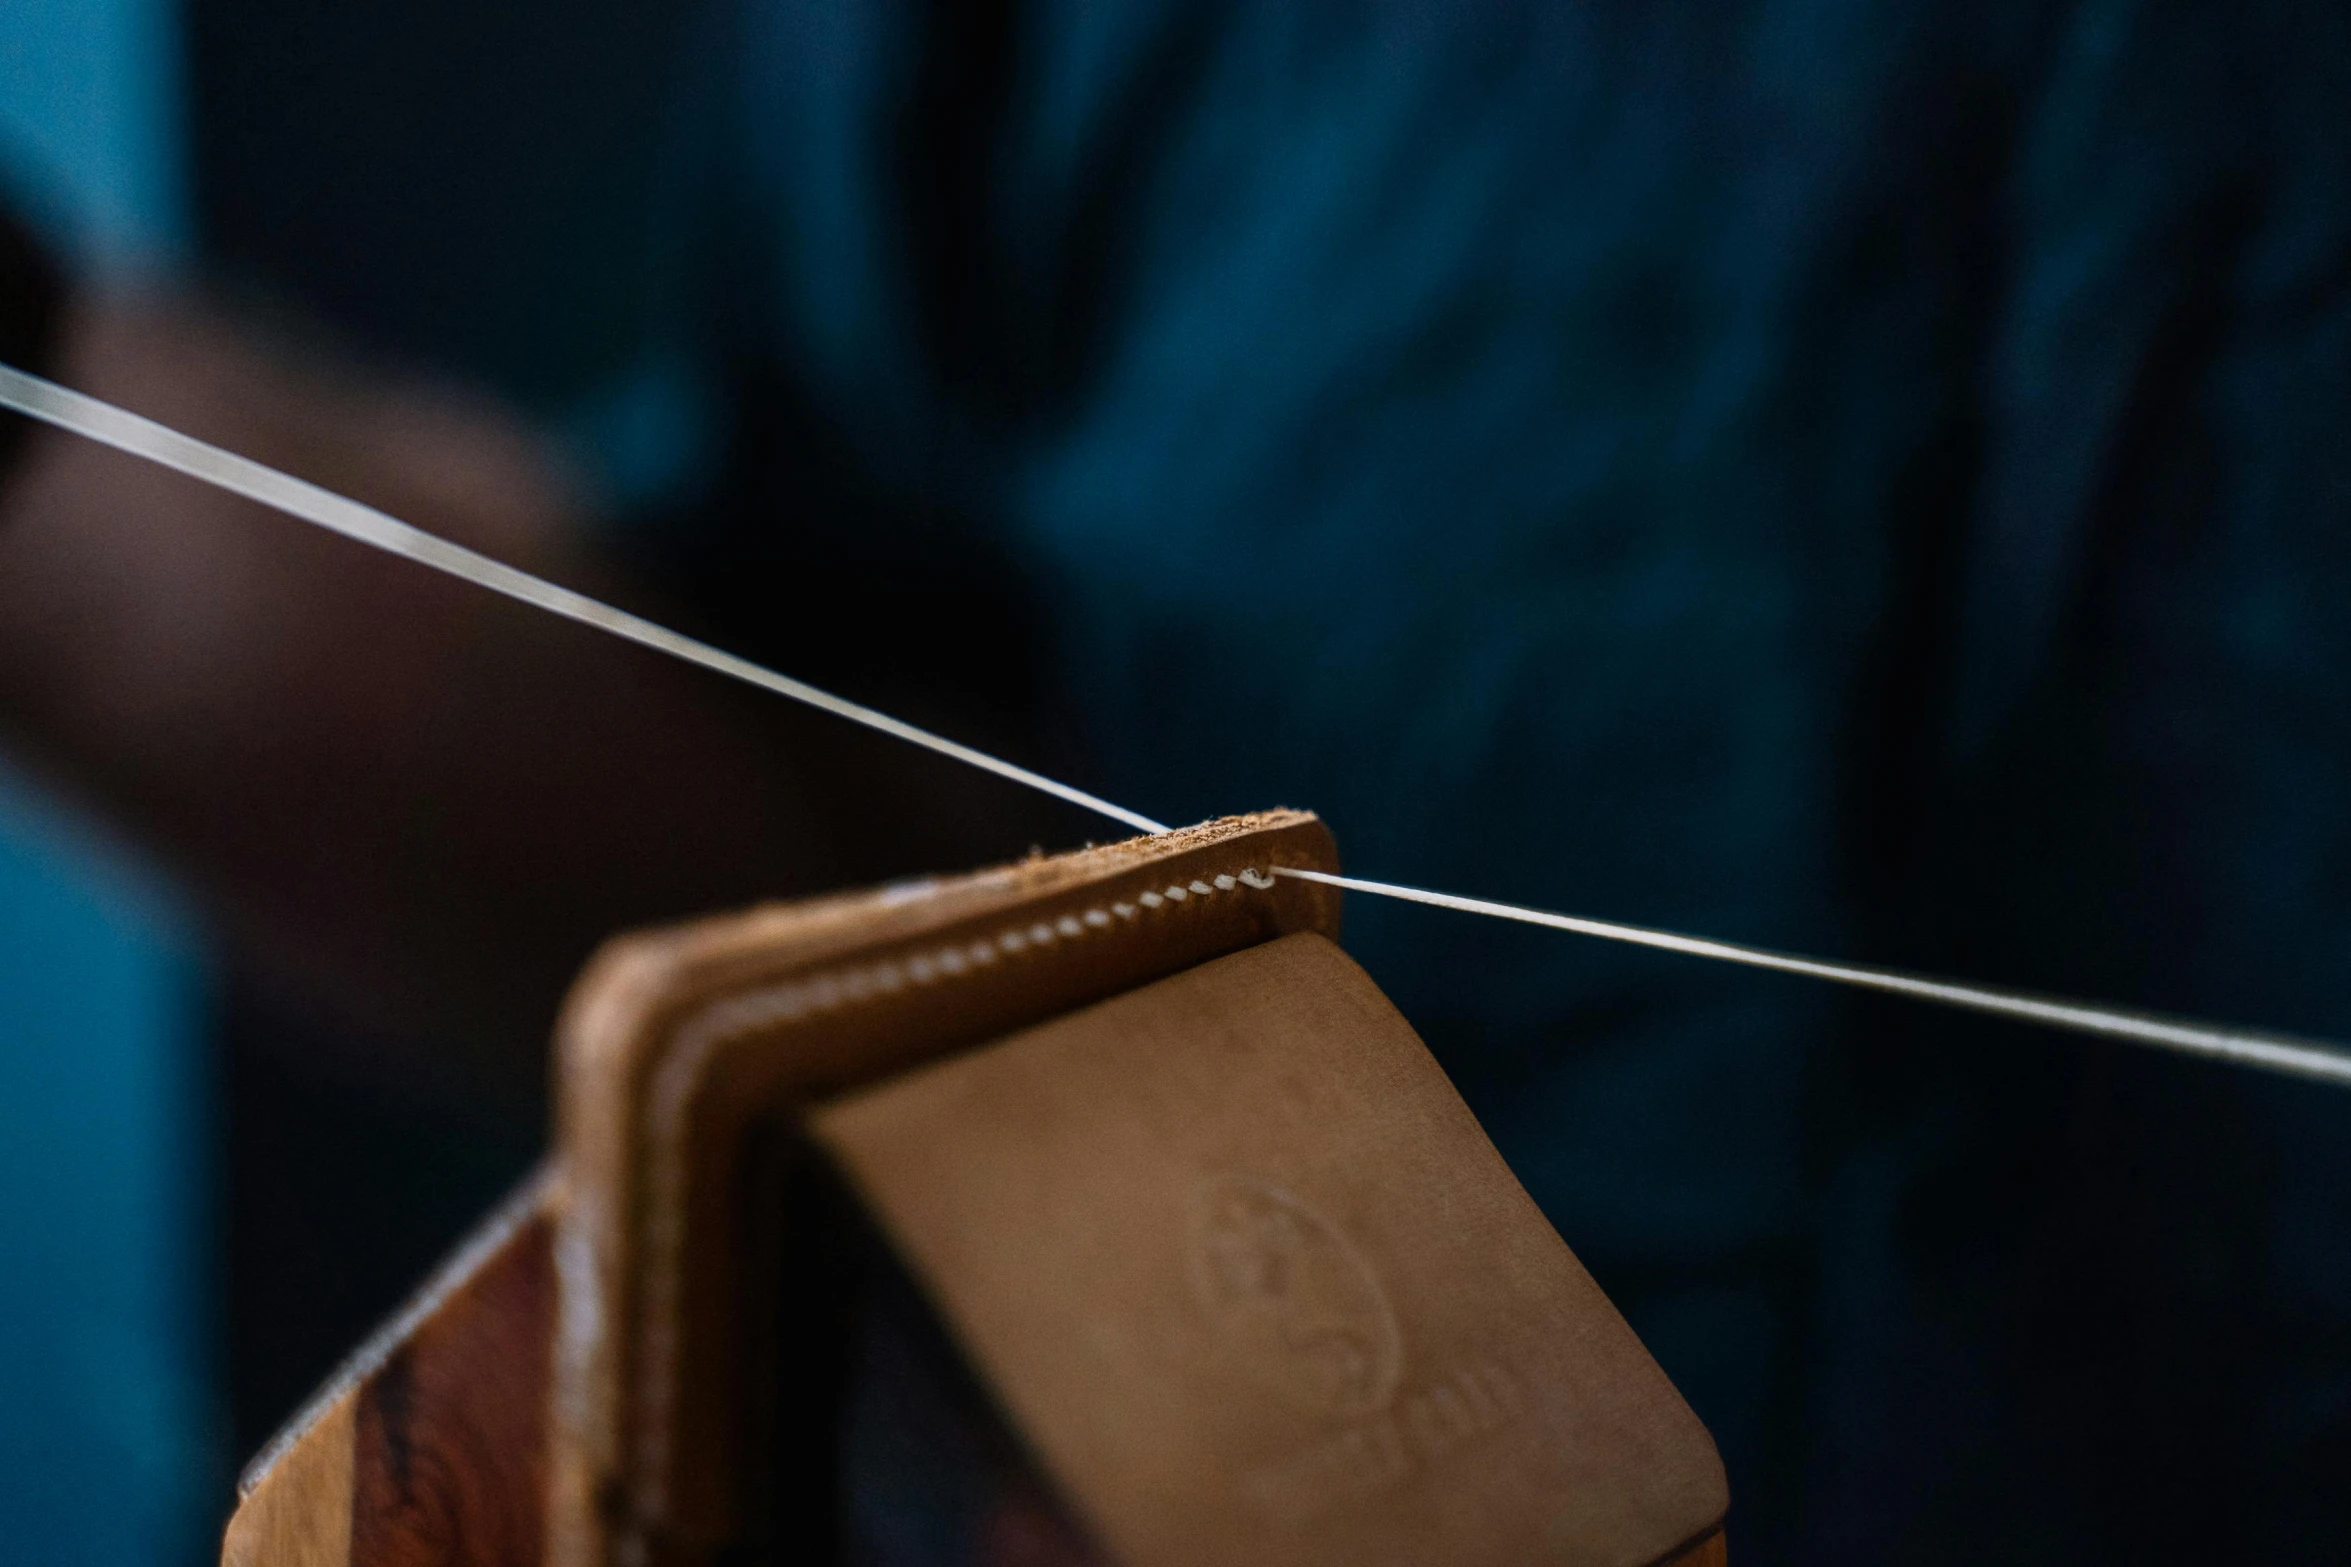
(676, 1045)
(1243, 1266)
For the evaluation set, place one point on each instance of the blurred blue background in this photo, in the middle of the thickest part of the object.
(112, 1428)
(113, 1431)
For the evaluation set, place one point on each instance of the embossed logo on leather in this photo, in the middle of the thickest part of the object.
(1366, 1457)
(1296, 1303)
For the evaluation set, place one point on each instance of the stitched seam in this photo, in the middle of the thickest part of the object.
(792, 1001)
(831, 990)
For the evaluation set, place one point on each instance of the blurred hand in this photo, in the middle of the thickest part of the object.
(136, 600)
(413, 803)
(410, 803)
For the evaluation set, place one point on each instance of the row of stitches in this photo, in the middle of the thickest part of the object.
(828, 991)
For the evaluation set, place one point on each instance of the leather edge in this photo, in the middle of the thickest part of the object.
(649, 1051)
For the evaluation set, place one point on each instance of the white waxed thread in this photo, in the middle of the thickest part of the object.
(2245, 1047)
(108, 425)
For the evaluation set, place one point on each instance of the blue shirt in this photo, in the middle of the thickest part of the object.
(1859, 480)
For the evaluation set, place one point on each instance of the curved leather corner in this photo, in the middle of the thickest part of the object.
(677, 1045)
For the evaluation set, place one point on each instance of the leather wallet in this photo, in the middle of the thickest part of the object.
(1188, 1204)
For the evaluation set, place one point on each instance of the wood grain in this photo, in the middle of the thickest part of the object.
(428, 1448)
(449, 1439)
(299, 1514)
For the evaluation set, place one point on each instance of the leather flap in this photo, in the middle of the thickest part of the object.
(1249, 1275)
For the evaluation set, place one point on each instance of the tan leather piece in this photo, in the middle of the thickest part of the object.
(1248, 1274)
(676, 1046)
